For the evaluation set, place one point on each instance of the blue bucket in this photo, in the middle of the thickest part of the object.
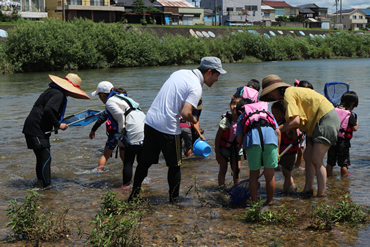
(201, 148)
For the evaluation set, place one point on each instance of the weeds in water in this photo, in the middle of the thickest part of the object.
(29, 223)
(325, 216)
(203, 197)
(256, 215)
(117, 223)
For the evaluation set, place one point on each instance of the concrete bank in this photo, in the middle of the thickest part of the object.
(160, 31)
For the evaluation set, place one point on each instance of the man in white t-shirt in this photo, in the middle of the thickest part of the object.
(178, 97)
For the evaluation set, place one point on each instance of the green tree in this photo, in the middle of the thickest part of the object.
(139, 8)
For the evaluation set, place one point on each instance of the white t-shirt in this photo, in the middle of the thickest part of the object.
(165, 111)
(134, 122)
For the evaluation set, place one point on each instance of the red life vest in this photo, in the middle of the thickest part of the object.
(109, 126)
(249, 93)
(228, 136)
(184, 124)
(345, 131)
(256, 115)
(286, 141)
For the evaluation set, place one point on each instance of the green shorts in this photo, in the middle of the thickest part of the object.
(269, 156)
(326, 130)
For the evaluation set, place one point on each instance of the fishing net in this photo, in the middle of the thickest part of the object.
(334, 91)
(240, 192)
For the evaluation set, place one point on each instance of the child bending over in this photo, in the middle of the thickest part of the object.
(226, 147)
(287, 161)
(348, 123)
(258, 131)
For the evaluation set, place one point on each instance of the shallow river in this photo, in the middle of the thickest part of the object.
(75, 156)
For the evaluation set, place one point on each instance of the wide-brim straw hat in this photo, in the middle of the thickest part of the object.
(269, 84)
(70, 83)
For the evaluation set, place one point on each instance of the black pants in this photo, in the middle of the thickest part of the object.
(43, 161)
(130, 153)
(154, 143)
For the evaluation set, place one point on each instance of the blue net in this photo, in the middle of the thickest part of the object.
(334, 91)
(240, 192)
(83, 118)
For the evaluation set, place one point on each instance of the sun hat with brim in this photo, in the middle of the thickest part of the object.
(269, 84)
(70, 83)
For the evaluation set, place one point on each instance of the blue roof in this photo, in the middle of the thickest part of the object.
(345, 11)
(367, 11)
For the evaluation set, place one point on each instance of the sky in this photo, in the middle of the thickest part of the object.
(330, 4)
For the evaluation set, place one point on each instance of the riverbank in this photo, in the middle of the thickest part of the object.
(83, 44)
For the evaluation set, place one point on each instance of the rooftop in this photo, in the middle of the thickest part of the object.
(276, 3)
(175, 3)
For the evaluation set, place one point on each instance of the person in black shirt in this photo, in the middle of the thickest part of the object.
(47, 115)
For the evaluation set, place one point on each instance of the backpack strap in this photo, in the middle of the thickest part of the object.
(131, 108)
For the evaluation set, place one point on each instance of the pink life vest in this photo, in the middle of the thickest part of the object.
(257, 114)
(344, 129)
(250, 93)
(109, 126)
(184, 124)
(228, 136)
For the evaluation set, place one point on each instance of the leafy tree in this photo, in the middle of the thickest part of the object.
(282, 18)
(139, 7)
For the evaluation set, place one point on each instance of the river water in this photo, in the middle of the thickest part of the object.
(74, 157)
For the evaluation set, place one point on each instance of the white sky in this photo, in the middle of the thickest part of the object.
(330, 4)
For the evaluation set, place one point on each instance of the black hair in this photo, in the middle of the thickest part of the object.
(234, 99)
(349, 98)
(119, 90)
(254, 84)
(305, 84)
(204, 70)
(241, 103)
(279, 105)
(282, 90)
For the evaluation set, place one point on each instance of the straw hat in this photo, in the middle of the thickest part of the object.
(269, 84)
(70, 83)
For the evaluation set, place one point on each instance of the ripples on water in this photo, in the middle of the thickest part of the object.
(75, 157)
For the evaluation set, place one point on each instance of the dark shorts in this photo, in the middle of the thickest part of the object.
(112, 141)
(326, 130)
(155, 142)
(228, 153)
(186, 135)
(339, 153)
(34, 142)
(287, 161)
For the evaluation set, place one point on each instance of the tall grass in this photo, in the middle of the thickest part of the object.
(83, 44)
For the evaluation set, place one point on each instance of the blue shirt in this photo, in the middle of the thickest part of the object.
(253, 136)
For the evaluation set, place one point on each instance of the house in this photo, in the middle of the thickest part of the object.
(209, 17)
(95, 10)
(180, 12)
(236, 12)
(352, 19)
(268, 14)
(282, 8)
(33, 9)
(314, 14)
(367, 11)
(132, 17)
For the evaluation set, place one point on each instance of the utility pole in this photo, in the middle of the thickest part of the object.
(64, 11)
(341, 11)
(336, 9)
(215, 12)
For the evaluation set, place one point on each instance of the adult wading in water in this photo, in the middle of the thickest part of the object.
(47, 114)
(178, 97)
(312, 113)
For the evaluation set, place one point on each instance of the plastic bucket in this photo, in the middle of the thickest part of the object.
(201, 148)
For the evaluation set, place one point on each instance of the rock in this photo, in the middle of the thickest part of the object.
(177, 239)
(232, 235)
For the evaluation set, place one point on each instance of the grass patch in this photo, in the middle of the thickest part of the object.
(28, 222)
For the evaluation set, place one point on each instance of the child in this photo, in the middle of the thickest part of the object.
(260, 136)
(349, 123)
(226, 147)
(255, 84)
(287, 161)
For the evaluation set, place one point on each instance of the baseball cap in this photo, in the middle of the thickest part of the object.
(103, 87)
(212, 63)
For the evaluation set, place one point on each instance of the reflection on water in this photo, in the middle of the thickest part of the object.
(75, 181)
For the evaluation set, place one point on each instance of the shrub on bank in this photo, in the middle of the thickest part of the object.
(83, 44)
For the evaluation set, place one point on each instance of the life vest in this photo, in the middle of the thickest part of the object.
(344, 130)
(108, 126)
(249, 93)
(184, 124)
(61, 117)
(131, 103)
(228, 138)
(257, 115)
(286, 141)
